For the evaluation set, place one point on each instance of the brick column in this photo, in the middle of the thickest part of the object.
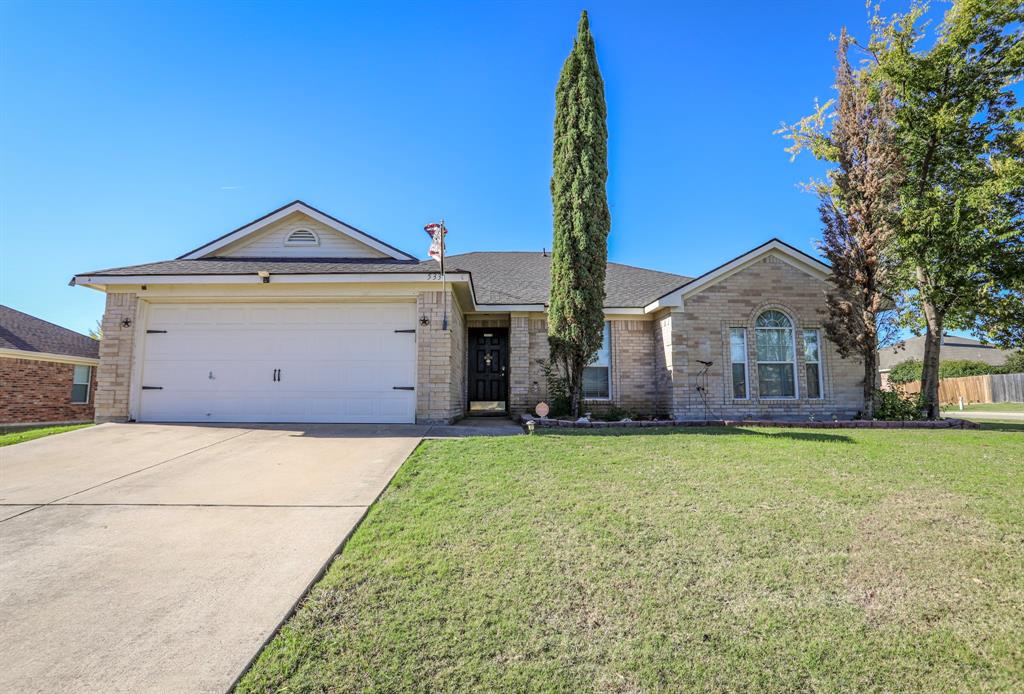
(117, 351)
(519, 363)
(440, 360)
(670, 340)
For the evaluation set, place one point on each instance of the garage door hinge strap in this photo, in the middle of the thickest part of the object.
(155, 331)
(152, 387)
(406, 331)
(403, 388)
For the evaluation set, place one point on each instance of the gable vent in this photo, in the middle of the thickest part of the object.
(302, 237)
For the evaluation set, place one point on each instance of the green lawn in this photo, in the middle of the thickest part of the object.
(719, 559)
(29, 434)
(986, 407)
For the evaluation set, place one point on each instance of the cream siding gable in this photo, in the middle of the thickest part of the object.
(270, 242)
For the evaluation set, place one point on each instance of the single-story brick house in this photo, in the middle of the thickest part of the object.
(300, 317)
(47, 373)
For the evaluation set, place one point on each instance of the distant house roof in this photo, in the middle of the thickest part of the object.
(27, 333)
(953, 347)
(499, 277)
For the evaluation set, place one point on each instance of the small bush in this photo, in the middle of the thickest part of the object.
(1014, 364)
(559, 402)
(906, 371)
(617, 414)
(910, 370)
(956, 368)
(893, 405)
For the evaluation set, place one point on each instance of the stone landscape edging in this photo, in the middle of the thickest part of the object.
(949, 423)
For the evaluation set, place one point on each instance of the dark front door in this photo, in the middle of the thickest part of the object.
(488, 370)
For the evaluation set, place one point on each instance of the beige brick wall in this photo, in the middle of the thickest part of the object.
(634, 384)
(113, 376)
(519, 362)
(539, 354)
(701, 332)
(441, 360)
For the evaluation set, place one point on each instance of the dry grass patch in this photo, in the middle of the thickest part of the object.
(923, 558)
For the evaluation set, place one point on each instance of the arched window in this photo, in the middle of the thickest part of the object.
(776, 355)
(302, 237)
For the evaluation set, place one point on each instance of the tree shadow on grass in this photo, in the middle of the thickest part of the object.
(1001, 426)
(709, 431)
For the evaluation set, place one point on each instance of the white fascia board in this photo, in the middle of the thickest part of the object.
(631, 311)
(340, 227)
(542, 308)
(97, 281)
(47, 356)
(507, 308)
(793, 257)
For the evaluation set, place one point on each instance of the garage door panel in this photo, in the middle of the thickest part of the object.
(180, 374)
(337, 363)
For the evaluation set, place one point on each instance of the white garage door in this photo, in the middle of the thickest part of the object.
(279, 363)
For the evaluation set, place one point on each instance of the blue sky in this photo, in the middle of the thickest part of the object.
(136, 132)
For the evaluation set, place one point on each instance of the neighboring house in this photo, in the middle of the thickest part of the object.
(47, 373)
(299, 317)
(953, 347)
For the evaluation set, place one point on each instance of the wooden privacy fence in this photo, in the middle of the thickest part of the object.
(988, 388)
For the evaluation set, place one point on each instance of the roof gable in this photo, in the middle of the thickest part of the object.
(775, 248)
(266, 237)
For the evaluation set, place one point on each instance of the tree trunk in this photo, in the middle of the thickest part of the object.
(930, 371)
(573, 371)
(929, 396)
(870, 372)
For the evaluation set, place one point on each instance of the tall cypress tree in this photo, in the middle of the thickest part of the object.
(579, 254)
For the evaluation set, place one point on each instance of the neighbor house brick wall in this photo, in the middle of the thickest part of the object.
(117, 352)
(441, 360)
(702, 333)
(33, 391)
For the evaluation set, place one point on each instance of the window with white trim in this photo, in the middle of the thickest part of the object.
(812, 363)
(80, 383)
(776, 355)
(302, 237)
(738, 351)
(597, 377)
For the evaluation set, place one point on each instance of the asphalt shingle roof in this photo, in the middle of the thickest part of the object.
(953, 347)
(499, 277)
(21, 331)
(514, 277)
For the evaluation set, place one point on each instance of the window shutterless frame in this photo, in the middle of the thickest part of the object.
(597, 376)
(738, 359)
(813, 365)
(775, 341)
(81, 381)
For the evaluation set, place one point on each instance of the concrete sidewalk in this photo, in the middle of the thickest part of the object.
(985, 415)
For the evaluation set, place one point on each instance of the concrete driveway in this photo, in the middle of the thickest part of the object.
(159, 558)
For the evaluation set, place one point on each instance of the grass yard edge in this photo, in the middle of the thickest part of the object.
(321, 572)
